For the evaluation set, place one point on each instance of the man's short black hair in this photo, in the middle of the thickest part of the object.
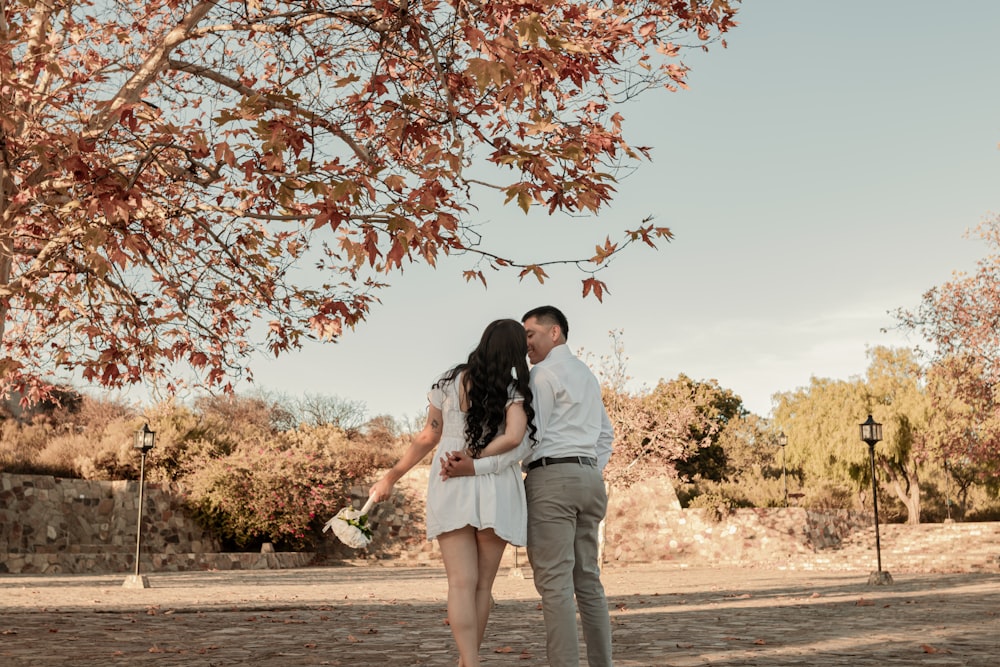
(549, 315)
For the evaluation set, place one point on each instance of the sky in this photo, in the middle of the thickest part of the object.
(818, 174)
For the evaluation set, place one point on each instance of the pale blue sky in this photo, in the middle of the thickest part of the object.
(819, 172)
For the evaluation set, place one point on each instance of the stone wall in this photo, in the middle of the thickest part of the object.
(49, 524)
(60, 525)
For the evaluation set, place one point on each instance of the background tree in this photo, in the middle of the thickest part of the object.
(821, 422)
(959, 321)
(647, 442)
(897, 395)
(172, 172)
(963, 426)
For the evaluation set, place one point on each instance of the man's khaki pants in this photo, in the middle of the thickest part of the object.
(566, 503)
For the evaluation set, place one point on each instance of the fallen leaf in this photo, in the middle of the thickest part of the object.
(505, 649)
(759, 642)
(816, 595)
(685, 646)
(932, 649)
(621, 606)
(309, 645)
(371, 631)
(155, 649)
(353, 639)
(525, 656)
(864, 603)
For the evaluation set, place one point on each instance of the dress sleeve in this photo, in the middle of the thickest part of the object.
(436, 395)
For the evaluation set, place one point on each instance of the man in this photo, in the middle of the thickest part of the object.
(565, 491)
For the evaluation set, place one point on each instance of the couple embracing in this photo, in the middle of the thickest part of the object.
(518, 461)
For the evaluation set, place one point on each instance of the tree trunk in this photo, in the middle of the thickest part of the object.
(906, 485)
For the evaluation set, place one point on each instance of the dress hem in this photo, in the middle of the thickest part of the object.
(431, 538)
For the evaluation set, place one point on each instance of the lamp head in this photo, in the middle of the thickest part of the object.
(871, 431)
(144, 439)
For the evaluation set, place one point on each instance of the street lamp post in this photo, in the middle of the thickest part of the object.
(144, 441)
(871, 432)
(782, 441)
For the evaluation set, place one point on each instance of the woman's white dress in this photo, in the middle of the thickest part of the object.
(492, 500)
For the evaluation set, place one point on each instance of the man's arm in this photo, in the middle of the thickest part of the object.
(460, 464)
(605, 440)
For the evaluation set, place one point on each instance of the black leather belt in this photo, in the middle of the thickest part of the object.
(549, 460)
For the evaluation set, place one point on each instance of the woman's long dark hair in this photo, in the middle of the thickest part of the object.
(498, 363)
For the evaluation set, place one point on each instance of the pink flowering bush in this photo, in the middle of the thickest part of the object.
(278, 489)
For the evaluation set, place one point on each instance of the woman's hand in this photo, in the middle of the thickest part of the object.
(381, 490)
(457, 464)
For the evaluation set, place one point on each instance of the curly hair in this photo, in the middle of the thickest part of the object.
(497, 366)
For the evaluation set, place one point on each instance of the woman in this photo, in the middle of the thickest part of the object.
(484, 407)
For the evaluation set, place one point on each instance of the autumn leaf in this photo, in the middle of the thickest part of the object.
(596, 286)
(927, 648)
(175, 210)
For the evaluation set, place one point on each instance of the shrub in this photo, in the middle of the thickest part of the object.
(279, 489)
(719, 503)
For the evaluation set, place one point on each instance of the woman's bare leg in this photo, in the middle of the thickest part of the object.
(491, 548)
(460, 553)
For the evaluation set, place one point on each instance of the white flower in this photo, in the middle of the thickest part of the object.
(351, 526)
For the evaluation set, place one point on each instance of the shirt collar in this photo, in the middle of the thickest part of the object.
(560, 351)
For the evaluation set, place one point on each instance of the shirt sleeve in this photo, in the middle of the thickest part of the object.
(605, 440)
(544, 388)
(494, 464)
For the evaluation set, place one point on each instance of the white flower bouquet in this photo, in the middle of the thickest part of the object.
(351, 526)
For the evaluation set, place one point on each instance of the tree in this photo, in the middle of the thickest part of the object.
(897, 395)
(964, 421)
(959, 320)
(173, 171)
(709, 410)
(821, 422)
(648, 442)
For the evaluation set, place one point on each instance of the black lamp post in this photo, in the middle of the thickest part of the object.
(782, 442)
(871, 432)
(144, 441)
